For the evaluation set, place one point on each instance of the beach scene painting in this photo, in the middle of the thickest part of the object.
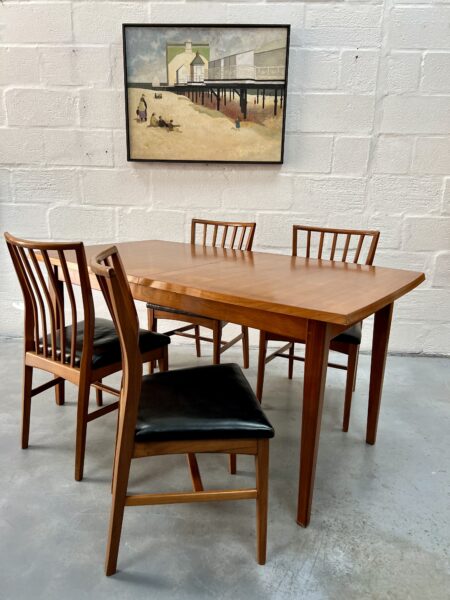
(209, 93)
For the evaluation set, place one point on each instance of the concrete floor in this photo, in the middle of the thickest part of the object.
(381, 516)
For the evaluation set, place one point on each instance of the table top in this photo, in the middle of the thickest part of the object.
(335, 292)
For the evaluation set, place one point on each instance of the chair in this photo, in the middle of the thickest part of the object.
(327, 243)
(80, 351)
(237, 236)
(185, 411)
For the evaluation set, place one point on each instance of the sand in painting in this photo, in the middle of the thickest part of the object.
(203, 133)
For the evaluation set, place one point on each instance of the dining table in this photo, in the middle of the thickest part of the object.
(303, 298)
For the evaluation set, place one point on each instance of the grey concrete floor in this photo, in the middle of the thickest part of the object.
(381, 516)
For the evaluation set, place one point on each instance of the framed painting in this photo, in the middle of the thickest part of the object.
(207, 93)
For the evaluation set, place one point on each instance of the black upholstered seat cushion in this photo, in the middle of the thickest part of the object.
(106, 342)
(352, 335)
(213, 402)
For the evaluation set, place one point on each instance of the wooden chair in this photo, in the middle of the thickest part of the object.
(223, 234)
(56, 341)
(324, 243)
(185, 411)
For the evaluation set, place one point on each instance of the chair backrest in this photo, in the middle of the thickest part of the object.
(344, 245)
(45, 316)
(224, 234)
(113, 282)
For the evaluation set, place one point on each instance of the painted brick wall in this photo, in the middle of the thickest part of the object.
(367, 145)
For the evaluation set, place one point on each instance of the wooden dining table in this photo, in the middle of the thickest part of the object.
(307, 299)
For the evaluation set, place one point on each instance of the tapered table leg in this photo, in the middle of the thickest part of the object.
(381, 330)
(316, 359)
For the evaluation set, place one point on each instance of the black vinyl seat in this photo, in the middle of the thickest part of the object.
(211, 402)
(106, 345)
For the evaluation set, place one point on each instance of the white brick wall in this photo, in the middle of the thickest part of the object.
(367, 138)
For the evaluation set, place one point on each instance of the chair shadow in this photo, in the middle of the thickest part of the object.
(142, 579)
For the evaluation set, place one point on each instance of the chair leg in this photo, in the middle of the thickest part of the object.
(351, 376)
(232, 464)
(197, 340)
(82, 412)
(262, 487)
(59, 393)
(120, 485)
(217, 337)
(261, 364)
(196, 478)
(152, 326)
(291, 360)
(163, 363)
(99, 395)
(245, 347)
(356, 369)
(115, 449)
(26, 404)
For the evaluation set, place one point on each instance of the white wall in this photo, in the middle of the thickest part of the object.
(367, 138)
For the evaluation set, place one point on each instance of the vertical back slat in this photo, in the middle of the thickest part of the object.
(373, 248)
(333, 246)
(224, 236)
(308, 244)
(44, 287)
(358, 248)
(294, 240)
(73, 306)
(88, 308)
(33, 285)
(58, 309)
(347, 244)
(241, 239)
(214, 239)
(27, 292)
(251, 235)
(233, 237)
(319, 252)
(193, 231)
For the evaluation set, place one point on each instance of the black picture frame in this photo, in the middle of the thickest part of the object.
(258, 136)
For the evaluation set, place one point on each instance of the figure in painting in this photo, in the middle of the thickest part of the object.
(153, 121)
(142, 109)
(238, 124)
(171, 125)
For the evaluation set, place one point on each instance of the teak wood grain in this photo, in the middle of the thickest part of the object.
(307, 298)
(269, 283)
(231, 235)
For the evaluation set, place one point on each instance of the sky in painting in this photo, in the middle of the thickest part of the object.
(146, 46)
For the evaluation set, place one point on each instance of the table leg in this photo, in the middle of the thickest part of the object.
(316, 359)
(381, 330)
